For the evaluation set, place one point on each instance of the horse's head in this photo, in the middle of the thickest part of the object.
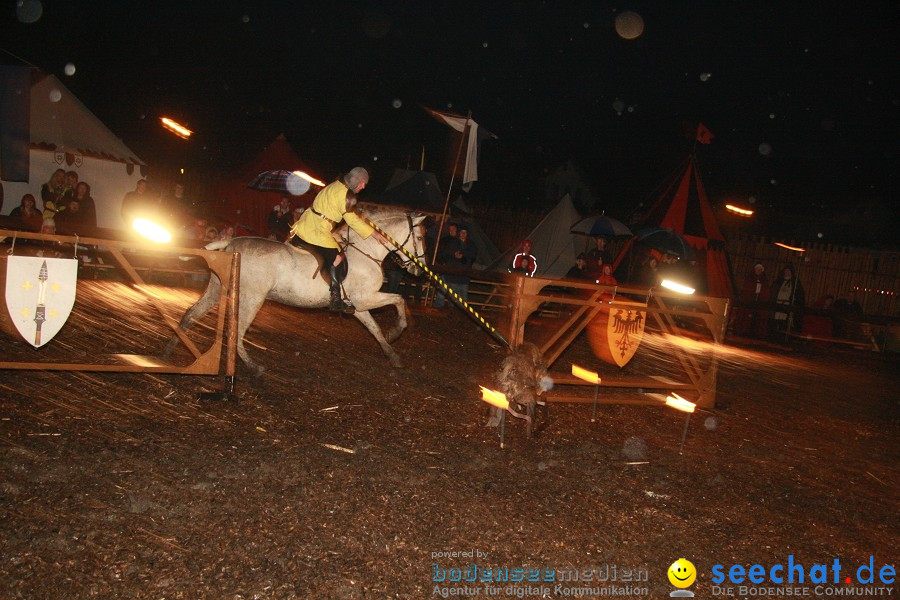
(406, 229)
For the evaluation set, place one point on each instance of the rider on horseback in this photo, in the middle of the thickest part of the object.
(332, 205)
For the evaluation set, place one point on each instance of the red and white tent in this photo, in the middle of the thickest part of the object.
(250, 208)
(684, 208)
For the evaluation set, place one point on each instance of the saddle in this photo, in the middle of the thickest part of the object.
(340, 270)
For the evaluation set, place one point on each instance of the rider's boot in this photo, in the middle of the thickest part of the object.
(338, 304)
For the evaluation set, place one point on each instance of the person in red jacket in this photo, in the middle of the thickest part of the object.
(524, 261)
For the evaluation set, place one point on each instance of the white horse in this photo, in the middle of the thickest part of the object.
(281, 272)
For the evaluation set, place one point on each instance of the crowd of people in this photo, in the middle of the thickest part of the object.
(771, 310)
(66, 206)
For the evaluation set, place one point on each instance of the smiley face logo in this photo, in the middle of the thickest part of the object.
(682, 573)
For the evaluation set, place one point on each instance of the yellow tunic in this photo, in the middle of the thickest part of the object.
(331, 202)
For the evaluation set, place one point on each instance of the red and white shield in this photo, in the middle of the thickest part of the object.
(40, 293)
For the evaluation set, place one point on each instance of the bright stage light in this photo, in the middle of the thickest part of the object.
(152, 231)
(677, 287)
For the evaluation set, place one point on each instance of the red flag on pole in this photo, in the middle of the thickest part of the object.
(704, 135)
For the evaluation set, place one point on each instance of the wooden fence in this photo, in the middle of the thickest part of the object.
(825, 269)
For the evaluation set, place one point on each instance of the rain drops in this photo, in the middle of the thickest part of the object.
(705, 76)
(618, 106)
(29, 11)
(55, 95)
(397, 103)
(765, 149)
(484, 45)
(69, 69)
(629, 25)
(245, 18)
(820, 235)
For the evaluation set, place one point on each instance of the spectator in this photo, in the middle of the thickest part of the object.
(72, 220)
(226, 233)
(71, 184)
(211, 234)
(596, 257)
(789, 300)
(279, 220)
(846, 309)
(648, 275)
(751, 319)
(27, 215)
(579, 271)
(296, 214)
(197, 229)
(86, 204)
(524, 261)
(53, 192)
(136, 202)
(461, 254)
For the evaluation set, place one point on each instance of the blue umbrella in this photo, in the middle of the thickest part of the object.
(601, 226)
(667, 241)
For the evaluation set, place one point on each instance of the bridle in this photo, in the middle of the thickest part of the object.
(405, 262)
(402, 262)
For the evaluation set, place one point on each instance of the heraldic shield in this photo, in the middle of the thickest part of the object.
(616, 332)
(40, 293)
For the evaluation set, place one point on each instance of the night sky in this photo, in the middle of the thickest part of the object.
(802, 98)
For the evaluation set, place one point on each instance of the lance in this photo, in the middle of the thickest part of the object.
(447, 291)
(40, 311)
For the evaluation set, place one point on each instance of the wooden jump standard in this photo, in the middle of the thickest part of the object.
(594, 303)
(225, 265)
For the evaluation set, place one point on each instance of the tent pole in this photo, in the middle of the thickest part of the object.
(437, 241)
(462, 142)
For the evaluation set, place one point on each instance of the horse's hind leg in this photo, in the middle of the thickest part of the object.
(369, 323)
(247, 312)
(209, 299)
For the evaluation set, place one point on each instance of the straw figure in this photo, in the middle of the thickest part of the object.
(522, 378)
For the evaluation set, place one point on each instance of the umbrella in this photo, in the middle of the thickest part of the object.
(667, 241)
(601, 226)
(280, 181)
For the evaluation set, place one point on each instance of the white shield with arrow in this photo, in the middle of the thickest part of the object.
(40, 293)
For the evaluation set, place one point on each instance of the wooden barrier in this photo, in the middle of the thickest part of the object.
(203, 361)
(671, 317)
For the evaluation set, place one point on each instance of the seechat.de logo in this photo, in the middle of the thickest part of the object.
(682, 574)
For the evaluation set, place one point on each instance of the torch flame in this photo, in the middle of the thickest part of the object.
(310, 178)
(494, 398)
(679, 403)
(794, 248)
(176, 128)
(739, 211)
(582, 373)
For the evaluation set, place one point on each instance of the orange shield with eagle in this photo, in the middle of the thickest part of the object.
(616, 332)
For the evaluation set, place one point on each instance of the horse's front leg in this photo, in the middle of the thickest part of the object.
(369, 322)
(379, 299)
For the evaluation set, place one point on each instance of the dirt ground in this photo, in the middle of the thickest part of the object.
(335, 476)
